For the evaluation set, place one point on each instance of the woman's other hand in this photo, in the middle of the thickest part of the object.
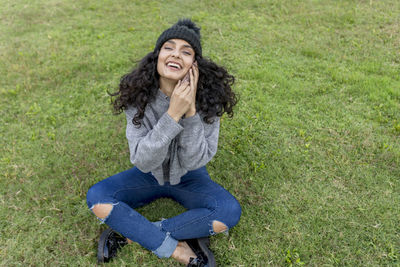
(181, 100)
(194, 78)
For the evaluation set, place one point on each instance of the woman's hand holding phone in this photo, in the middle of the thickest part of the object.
(194, 78)
(183, 98)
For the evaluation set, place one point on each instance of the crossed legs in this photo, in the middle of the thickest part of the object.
(211, 210)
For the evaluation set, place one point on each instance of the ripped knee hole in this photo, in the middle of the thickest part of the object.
(219, 227)
(102, 210)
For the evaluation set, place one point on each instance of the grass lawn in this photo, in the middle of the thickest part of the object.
(312, 153)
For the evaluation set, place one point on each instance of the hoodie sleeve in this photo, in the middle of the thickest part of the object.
(149, 147)
(198, 142)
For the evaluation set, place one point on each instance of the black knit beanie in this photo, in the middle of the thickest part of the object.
(184, 29)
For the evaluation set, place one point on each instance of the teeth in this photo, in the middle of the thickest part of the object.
(174, 65)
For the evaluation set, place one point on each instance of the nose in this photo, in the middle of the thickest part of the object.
(175, 53)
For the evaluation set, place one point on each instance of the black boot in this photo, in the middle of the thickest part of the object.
(200, 247)
(109, 243)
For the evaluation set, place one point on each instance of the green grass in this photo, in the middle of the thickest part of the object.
(312, 154)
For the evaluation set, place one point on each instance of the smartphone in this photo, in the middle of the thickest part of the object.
(186, 78)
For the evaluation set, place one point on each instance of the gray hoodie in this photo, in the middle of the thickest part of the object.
(166, 148)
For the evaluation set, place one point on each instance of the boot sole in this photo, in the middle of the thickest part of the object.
(204, 244)
(101, 257)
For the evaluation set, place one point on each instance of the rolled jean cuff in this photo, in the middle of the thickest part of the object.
(167, 247)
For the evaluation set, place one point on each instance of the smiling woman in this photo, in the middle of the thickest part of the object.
(214, 95)
(173, 101)
(175, 60)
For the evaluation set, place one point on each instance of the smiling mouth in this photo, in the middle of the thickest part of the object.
(174, 65)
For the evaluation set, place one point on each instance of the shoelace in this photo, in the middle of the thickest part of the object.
(196, 262)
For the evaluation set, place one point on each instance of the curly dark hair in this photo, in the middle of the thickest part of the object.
(214, 93)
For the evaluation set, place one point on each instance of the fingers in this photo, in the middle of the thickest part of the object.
(194, 78)
(193, 81)
(191, 77)
(182, 93)
(186, 78)
(185, 87)
(177, 84)
(196, 71)
(188, 82)
(180, 87)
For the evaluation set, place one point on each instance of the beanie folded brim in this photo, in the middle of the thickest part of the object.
(184, 29)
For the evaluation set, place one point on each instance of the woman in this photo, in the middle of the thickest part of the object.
(173, 101)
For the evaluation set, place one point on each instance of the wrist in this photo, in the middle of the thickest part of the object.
(176, 117)
(190, 113)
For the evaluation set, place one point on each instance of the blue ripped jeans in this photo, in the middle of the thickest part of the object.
(205, 201)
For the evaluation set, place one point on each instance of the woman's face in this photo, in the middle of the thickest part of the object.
(175, 59)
